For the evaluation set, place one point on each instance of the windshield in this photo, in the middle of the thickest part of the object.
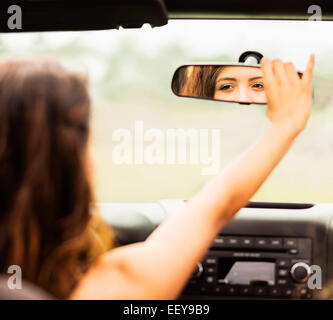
(149, 144)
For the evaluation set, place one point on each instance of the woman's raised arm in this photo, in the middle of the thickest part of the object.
(160, 267)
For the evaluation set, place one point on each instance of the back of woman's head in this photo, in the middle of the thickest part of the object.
(44, 189)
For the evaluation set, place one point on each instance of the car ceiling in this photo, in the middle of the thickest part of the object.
(71, 15)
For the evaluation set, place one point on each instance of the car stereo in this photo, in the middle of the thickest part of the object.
(265, 252)
(248, 266)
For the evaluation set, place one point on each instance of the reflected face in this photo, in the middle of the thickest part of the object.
(241, 84)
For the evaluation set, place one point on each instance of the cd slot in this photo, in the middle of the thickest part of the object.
(233, 249)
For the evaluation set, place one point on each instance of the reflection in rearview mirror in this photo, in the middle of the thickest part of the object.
(231, 83)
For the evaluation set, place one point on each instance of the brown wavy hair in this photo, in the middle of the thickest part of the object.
(196, 81)
(45, 193)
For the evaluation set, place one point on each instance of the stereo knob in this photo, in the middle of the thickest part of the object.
(198, 271)
(300, 272)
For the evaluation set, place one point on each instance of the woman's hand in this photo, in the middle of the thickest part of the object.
(289, 97)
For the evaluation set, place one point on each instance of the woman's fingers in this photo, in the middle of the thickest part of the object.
(288, 98)
(292, 73)
(269, 78)
(280, 77)
(307, 75)
(279, 71)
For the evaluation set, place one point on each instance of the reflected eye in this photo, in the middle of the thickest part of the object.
(226, 87)
(257, 86)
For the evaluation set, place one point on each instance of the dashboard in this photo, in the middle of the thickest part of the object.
(269, 250)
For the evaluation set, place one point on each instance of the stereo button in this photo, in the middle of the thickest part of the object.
(283, 272)
(282, 282)
(219, 242)
(287, 292)
(232, 290)
(260, 291)
(290, 243)
(207, 289)
(233, 242)
(219, 290)
(276, 243)
(211, 261)
(245, 291)
(247, 242)
(300, 272)
(283, 263)
(261, 243)
(211, 270)
(209, 279)
(303, 291)
(274, 292)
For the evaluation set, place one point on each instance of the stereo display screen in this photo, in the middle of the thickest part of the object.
(236, 272)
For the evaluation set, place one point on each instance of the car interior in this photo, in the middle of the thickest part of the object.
(272, 247)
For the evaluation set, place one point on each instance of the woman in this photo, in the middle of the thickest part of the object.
(45, 194)
(242, 84)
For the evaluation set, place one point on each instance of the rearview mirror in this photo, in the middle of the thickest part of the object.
(230, 83)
